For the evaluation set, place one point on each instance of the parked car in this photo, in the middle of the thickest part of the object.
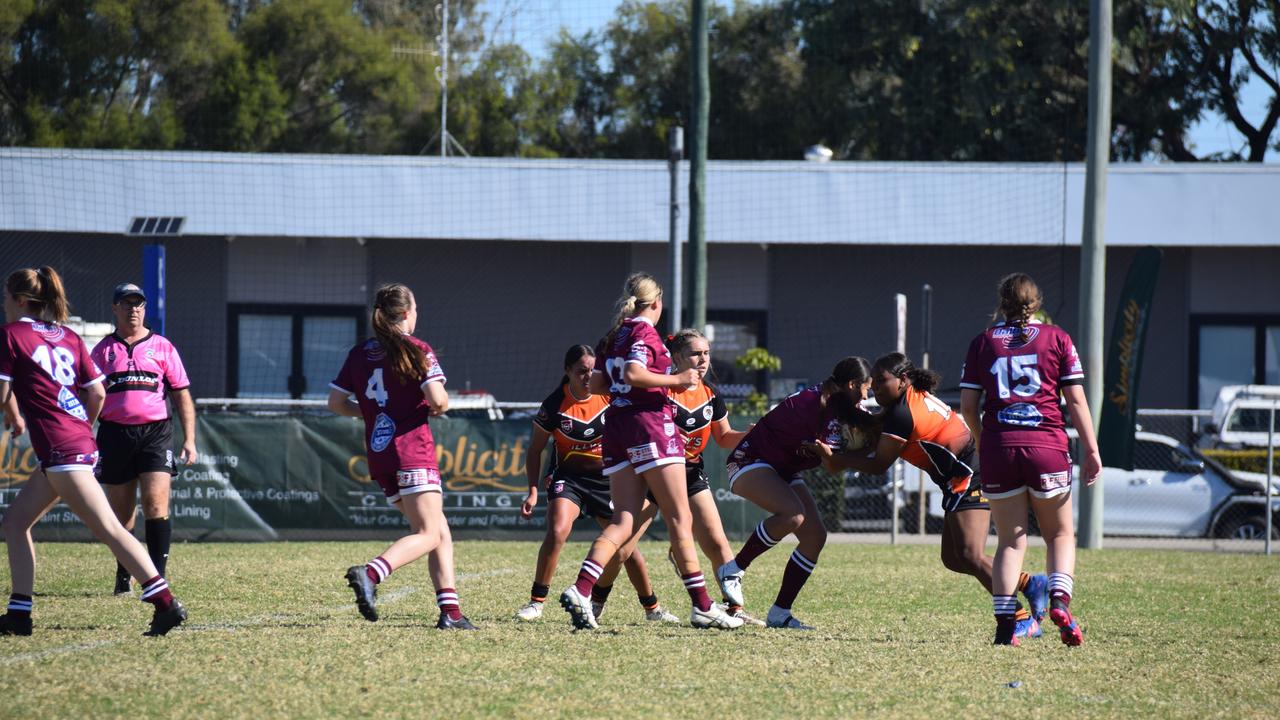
(1241, 413)
(1173, 491)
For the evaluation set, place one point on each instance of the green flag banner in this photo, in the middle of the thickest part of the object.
(1124, 360)
(297, 477)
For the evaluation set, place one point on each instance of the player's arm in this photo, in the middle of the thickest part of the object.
(888, 449)
(437, 397)
(724, 434)
(1082, 420)
(92, 396)
(340, 403)
(533, 468)
(970, 410)
(186, 409)
(13, 421)
(636, 374)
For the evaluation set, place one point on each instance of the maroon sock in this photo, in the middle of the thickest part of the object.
(697, 587)
(378, 569)
(587, 577)
(799, 568)
(156, 592)
(757, 544)
(447, 601)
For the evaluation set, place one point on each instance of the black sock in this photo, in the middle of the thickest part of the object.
(19, 604)
(158, 533)
(600, 593)
(648, 602)
(122, 575)
(539, 592)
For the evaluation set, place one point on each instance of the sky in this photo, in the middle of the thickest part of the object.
(532, 23)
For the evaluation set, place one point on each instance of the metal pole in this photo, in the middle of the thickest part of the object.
(675, 291)
(1266, 492)
(701, 108)
(1093, 248)
(895, 474)
(926, 327)
(444, 79)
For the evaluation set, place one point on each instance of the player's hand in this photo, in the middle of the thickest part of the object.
(15, 424)
(1092, 467)
(688, 379)
(188, 455)
(530, 501)
(817, 449)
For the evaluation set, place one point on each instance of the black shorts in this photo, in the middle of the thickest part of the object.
(591, 495)
(972, 500)
(129, 450)
(696, 479)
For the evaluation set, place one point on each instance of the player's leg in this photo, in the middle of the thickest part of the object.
(561, 512)
(440, 564)
(123, 498)
(638, 569)
(812, 534)
(1054, 516)
(80, 490)
(33, 501)
(1010, 517)
(628, 491)
(964, 544)
(760, 484)
(669, 488)
(422, 505)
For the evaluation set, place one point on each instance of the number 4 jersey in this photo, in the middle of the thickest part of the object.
(48, 365)
(395, 413)
(1021, 369)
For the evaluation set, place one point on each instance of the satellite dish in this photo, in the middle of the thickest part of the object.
(818, 153)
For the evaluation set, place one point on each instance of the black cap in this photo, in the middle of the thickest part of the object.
(124, 290)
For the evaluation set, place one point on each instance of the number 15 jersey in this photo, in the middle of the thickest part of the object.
(395, 413)
(1021, 370)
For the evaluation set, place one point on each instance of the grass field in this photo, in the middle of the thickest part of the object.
(273, 633)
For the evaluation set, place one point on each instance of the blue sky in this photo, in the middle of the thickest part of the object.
(531, 23)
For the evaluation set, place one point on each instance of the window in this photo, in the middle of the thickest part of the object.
(1158, 456)
(289, 351)
(1233, 350)
(733, 332)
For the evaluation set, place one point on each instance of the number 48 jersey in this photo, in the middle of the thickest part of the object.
(1021, 371)
(395, 413)
(47, 365)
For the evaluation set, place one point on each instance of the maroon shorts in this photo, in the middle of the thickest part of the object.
(79, 455)
(1007, 471)
(408, 482)
(744, 459)
(641, 440)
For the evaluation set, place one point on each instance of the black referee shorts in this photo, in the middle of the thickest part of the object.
(130, 450)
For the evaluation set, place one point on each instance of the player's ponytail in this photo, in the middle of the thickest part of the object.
(899, 365)
(42, 289)
(572, 356)
(391, 305)
(639, 293)
(1018, 300)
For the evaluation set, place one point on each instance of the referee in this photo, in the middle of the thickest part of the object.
(135, 438)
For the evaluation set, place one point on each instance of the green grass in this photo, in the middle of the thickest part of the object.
(273, 633)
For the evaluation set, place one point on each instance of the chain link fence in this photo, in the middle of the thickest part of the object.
(1183, 491)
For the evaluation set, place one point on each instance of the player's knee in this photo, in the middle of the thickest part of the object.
(970, 558)
(792, 522)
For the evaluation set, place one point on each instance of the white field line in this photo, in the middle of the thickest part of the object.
(390, 597)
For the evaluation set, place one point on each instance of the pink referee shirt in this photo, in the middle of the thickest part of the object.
(139, 377)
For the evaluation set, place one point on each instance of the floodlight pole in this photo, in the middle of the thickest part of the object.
(700, 107)
(1093, 247)
(675, 288)
(444, 79)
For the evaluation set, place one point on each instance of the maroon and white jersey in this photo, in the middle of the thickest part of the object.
(395, 413)
(138, 378)
(1021, 371)
(47, 364)
(635, 342)
(800, 418)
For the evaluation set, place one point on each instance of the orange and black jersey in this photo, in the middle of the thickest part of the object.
(577, 427)
(937, 440)
(696, 410)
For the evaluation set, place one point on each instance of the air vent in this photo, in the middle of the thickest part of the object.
(156, 225)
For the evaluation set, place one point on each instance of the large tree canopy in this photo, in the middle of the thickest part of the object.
(994, 80)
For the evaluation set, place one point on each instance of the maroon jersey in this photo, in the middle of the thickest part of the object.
(635, 342)
(47, 364)
(1021, 371)
(395, 413)
(777, 438)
